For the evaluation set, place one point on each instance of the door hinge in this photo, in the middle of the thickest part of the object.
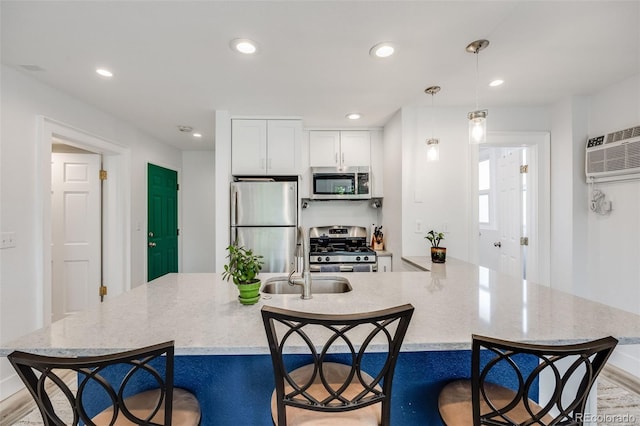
(524, 169)
(524, 241)
(178, 232)
(103, 175)
(177, 187)
(103, 290)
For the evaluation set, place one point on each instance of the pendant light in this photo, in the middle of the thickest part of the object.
(433, 147)
(477, 118)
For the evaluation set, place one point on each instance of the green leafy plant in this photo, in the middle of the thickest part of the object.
(243, 266)
(435, 237)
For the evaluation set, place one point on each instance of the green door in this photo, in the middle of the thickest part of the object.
(162, 211)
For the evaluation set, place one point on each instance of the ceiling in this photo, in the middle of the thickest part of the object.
(173, 64)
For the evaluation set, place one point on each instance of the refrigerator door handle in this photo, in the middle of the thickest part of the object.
(234, 206)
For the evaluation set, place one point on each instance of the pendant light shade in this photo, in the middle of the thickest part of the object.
(433, 144)
(477, 126)
(477, 118)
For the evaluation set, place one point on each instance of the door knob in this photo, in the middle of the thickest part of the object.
(152, 244)
(497, 244)
(151, 234)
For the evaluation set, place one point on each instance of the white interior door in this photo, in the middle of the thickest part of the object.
(510, 223)
(75, 232)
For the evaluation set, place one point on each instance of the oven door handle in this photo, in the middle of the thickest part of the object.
(346, 268)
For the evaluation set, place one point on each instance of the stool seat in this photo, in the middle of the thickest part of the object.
(454, 403)
(335, 375)
(185, 411)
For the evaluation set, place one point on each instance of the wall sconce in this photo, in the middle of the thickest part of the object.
(433, 144)
(477, 118)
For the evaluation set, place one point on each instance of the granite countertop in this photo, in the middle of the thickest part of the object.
(202, 314)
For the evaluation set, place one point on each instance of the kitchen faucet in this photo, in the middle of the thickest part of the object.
(302, 250)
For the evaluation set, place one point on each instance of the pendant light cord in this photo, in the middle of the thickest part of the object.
(432, 114)
(477, 77)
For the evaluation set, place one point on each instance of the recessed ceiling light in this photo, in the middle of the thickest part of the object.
(382, 50)
(244, 45)
(104, 72)
(197, 135)
(495, 83)
(185, 129)
(353, 116)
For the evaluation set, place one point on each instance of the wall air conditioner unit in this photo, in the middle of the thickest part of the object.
(614, 157)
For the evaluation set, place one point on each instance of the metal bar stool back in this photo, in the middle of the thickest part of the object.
(332, 384)
(572, 369)
(143, 394)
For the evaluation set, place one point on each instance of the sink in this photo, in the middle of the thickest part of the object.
(319, 285)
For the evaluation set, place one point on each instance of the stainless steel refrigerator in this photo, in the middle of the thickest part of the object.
(264, 218)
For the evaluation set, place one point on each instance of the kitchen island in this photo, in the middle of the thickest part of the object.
(222, 352)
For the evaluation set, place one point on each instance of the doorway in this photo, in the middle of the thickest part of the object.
(76, 232)
(512, 194)
(162, 220)
(116, 240)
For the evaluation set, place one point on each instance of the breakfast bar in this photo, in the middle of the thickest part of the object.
(223, 357)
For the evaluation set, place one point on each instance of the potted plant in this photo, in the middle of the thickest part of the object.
(243, 269)
(438, 254)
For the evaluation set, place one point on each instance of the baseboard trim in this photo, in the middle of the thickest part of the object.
(622, 378)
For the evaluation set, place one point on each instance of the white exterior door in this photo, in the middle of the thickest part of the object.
(510, 212)
(75, 233)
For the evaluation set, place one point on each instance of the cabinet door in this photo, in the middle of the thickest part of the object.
(384, 263)
(284, 139)
(356, 148)
(323, 148)
(248, 147)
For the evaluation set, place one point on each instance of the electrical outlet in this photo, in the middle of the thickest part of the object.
(7, 240)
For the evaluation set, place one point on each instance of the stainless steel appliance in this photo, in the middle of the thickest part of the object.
(349, 183)
(264, 218)
(340, 249)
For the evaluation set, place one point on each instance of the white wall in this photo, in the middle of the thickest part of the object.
(613, 242)
(391, 212)
(198, 211)
(23, 100)
(436, 194)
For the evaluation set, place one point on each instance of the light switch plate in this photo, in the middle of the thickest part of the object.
(7, 240)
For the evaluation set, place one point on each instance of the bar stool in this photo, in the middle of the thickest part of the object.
(159, 403)
(334, 388)
(479, 401)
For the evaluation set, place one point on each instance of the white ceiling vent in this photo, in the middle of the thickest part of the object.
(613, 157)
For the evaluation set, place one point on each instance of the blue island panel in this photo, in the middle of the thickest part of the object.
(236, 389)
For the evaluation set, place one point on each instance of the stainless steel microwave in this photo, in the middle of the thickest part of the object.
(350, 183)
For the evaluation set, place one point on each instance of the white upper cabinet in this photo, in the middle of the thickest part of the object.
(328, 148)
(265, 147)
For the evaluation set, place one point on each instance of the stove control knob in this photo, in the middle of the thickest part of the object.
(366, 258)
(358, 258)
(319, 259)
(326, 258)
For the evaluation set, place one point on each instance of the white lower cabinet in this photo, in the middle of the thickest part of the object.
(384, 263)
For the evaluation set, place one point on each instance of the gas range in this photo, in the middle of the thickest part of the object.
(340, 249)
